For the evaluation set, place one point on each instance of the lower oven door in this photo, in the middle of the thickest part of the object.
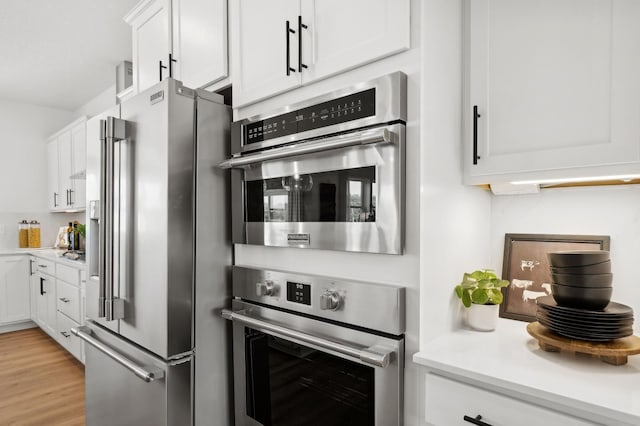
(292, 370)
(344, 192)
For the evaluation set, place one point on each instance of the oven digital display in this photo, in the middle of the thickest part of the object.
(299, 293)
(340, 110)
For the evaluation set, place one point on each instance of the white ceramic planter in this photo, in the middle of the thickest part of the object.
(483, 317)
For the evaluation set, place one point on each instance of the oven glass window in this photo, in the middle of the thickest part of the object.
(334, 196)
(292, 385)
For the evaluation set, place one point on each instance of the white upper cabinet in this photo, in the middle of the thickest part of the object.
(345, 34)
(65, 184)
(184, 39)
(199, 29)
(66, 157)
(151, 36)
(77, 197)
(53, 191)
(279, 45)
(265, 49)
(553, 89)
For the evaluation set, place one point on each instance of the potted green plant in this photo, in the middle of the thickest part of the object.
(82, 230)
(480, 292)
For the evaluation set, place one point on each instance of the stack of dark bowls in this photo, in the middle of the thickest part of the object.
(581, 279)
(582, 287)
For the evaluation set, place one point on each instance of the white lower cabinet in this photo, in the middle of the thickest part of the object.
(14, 289)
(68, 300)
(57, 290)
(67, 339)
(34, 289)
(69, 310)
(452, 403)
(46, 303)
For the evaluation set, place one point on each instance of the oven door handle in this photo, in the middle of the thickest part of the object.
(340, 141)
(375, 355)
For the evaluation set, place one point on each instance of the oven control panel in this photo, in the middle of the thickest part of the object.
(376, 306)
(299, 293)
(339, 110)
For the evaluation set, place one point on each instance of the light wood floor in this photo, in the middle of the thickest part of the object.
(40, 382)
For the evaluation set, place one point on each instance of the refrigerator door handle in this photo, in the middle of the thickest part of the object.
(112, 130)
(146, 373)
(102, 231)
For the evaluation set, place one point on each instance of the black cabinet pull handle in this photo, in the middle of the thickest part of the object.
(41, 286)
(300, 27)
(477, 420)
(289, 30)
(68, 197)
(71, 191)
(171, 61)
(55, 199)
(160, 68)
(475, 134)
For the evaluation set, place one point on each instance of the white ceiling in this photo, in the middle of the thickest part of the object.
(61, 53)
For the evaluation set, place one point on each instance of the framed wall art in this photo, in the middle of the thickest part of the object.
(526, 267)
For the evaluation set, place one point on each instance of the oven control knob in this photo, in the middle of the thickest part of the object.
(330, 300)
(266, 288)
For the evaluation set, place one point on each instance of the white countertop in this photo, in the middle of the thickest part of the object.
(509, 361)
(47, 252)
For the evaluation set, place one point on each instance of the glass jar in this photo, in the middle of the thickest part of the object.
(34, 234)
(23, 234)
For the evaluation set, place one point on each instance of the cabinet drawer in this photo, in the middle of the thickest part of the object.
(65, 337)
(448, 401)
(68, 274)
(44, 266)
(68, 300)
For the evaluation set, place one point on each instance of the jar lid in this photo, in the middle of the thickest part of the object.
(34, 222)
(23, 221)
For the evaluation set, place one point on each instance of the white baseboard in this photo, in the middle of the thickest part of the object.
(15, 326)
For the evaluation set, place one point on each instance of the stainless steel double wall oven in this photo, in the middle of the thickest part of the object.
(327, 173)
(310, 350)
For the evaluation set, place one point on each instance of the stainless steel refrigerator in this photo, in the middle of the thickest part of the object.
(158, 257)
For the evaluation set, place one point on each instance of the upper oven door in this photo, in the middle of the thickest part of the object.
(290, 371)
(340, 193)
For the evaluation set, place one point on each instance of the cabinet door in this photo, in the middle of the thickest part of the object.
(259, 46)
(34, 286)
(448, 402)
(555, 85)
(79, 165)
(49, 306)
(151, 36)
(199, 29)
(65, 337)
(41, 303)
(334, 42)
(64, 169)
(53, 191)
(14, 287)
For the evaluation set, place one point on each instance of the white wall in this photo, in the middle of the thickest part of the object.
(23, 164)
(454, 219)
(604, 210)
(100, 103)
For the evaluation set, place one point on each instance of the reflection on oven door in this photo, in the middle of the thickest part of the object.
(335, 196)
(293, 385)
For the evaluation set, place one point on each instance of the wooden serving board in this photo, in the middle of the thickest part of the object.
(613, 352)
